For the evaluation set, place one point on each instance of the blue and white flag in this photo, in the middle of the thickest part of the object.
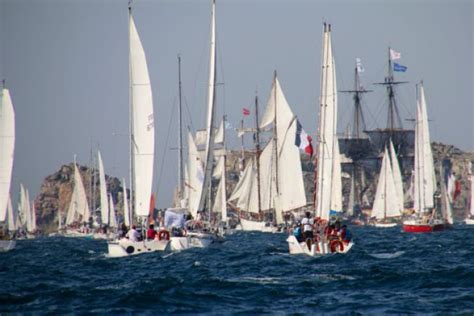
(398, 67)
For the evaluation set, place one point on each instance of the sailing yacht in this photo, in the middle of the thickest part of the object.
(328, 179)
(7, 147)
(195, 181)
(78, 213)
(273, 182)
(387, 199)
(425, 218)
(142, 143)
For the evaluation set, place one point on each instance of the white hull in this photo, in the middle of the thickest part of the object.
(385, 225)
(7, 245)
(102, 236)
(321, 249)
(125, 247)
(248, 225)
(193, 240)
(469, 221)
(77, 234)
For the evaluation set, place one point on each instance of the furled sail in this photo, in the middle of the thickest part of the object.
(143, 129)
(7, 146)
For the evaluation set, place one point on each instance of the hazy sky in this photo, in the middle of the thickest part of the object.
(66, 65)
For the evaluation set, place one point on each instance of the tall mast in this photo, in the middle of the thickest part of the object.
(180, 137)
(257, 147)
(130, 116)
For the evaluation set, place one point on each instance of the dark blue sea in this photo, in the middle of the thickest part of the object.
(387, 272)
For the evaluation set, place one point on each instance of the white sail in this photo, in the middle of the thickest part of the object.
(28, 212)
(446, 208)
(220, 201)
(23, 206)
(336, 198)
(386, 202)
(289, 182)
(78, 207)
(210, 128)
(7, 146)
(32, 226)
(112, 217)
(351, 202)
(425, 184)
(143, 129)
(11, 216)
(126, 210)
(104, 205)
(243, 190)
(196, 176)
(397, 178)
(327, 129)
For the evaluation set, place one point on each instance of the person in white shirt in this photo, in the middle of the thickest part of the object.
(307, 223)
(132, 234)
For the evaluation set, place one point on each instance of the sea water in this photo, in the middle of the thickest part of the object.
(387, 271)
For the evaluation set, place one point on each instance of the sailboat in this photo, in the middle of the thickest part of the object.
(78, 213)
(328, 190)
(7, 147)
(104, 203)
(142, 143)
(195, 194)
(469, 220)
(273, 182)
(425, 218)
(387, 202)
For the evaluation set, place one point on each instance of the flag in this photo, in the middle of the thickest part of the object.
(394, 55)
(303, 140)
(398, 67)
(359, 66)
(245, 111)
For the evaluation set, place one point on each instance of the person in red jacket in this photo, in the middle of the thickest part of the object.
(151, 233)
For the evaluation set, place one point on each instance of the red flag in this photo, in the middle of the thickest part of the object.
(245, 111)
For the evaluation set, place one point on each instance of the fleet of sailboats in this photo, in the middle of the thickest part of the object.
(270, 192)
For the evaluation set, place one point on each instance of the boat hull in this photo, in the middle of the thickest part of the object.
(248, 225)
(317, 250)
(193, 240)
(7, 245)
(77, 234)
(125, 247)
(469, 221)
(385, 225)
(416, 227)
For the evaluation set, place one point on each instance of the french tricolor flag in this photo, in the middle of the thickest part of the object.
(303, 140)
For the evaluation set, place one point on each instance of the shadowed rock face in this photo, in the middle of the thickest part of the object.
(56, 189)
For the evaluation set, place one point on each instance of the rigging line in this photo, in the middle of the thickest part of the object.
(221, 68)
(165, 148)
(189, 113)
(380, 107)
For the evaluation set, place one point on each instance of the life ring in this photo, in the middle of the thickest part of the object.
(334, 244)
(163, 235)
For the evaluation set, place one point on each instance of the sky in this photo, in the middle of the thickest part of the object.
(66, 65)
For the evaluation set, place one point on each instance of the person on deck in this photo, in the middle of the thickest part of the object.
(151, 232)
(345, 234)
(133, 234)
(297, 232)
(307, 223)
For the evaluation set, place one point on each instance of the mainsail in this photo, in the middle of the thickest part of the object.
(195, 179)
(424, 167)
(78, 205)
(112, 217)
(386, 203)
(7, 146)
(397, 178)
(104, 206)
(326, 199)
(142, 124)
